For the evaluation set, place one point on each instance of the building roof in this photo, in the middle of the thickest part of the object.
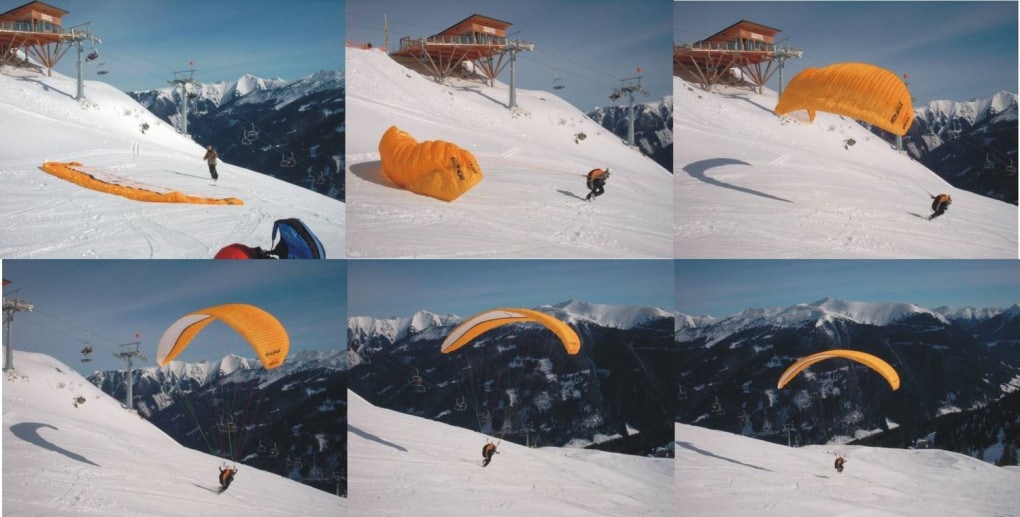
(481, 17)
(40, 6)
(746, 24)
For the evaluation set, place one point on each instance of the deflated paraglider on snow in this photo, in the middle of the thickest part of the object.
(263, 332)
(486, 321)
(858, 90)
(435, 168)
(873, 362)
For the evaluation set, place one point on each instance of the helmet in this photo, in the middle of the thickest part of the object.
(236, 251)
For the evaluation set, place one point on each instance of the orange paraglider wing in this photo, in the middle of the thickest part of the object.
(260, 329)
(883, 368)
(488, 320)
(858, 90)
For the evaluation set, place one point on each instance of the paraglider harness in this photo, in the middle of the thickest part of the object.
(296, 242)
(596, 182)
(488, 450)
(939, 205)
(226, 476)
(839, 463)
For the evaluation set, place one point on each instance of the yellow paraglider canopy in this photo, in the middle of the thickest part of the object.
(263, 332)
(488, 320)
(880, 366)
(858, 90)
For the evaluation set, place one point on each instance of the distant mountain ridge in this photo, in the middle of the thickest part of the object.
(653, 127)
(970, 144)
(948, 360)
(618, 386)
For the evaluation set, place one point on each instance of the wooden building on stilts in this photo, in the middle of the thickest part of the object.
(745, 46)
(37, 30)
(475, 45)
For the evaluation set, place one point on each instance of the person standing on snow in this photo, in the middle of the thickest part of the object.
(226, 477)
(839, 463)
(596, 182)
(940, 205)
(487, 451)
(210, 158)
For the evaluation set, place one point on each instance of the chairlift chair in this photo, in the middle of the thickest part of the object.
(558, 83)
(102, 69)
(262, 446)
(416, 378)
(92, 56)
(461, 404)
(252, 134)
(989, 163)
(287, 162)
(1010, 169)
(274, 452)
(717, 408)
(86, 353)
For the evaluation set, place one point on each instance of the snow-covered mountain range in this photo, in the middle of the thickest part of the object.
(944, 366)
(303, 118)
(653, 127)
(618, 387)
(530, 203)
(42, 216)
(69, 449)
(750, 184)
(970, 144)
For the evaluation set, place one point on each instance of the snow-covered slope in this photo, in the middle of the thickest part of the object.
(531, 201)
(751, 184)
(718, 473)
(364, 328)
(43, 216)
(405, 465)
(99, 459)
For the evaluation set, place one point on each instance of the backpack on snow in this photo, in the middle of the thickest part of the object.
(296, 241)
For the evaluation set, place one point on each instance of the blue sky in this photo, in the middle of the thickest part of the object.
(114, 299)
(721, 288)
(951, 50)
(589, 44)
(144, 41)
(387, 288)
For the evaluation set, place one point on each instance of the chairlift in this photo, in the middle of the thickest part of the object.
(681, 393)
(1010, 169)
(416, 378)
(557, 82)
(262, 446)
(102, 69)
(252, 134)
(287, 162)
(615, 96)
(989, 163)
(86, 353)
(245, 141)
(461, 405)
(717, 408)
(274, 452)
(226, 427)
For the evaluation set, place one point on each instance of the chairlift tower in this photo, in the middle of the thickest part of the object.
(78, 39)
(513, 48)
(630, 86)
(11, 306)
(128, 352)
(183, 79)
